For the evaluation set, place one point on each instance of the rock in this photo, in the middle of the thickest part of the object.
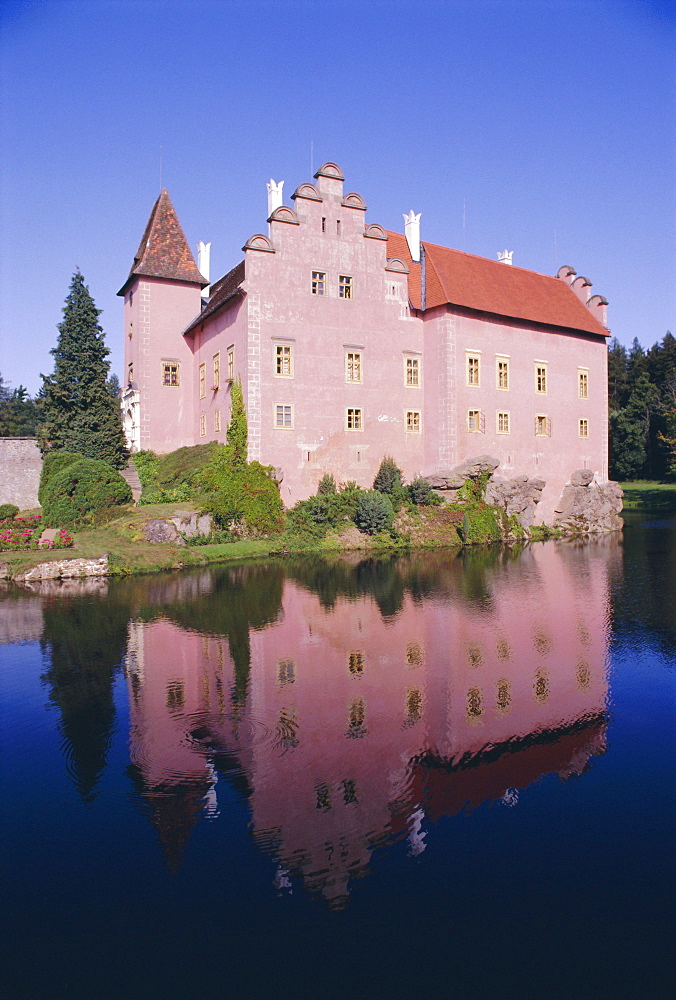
(582, 477)
(48, 537)
(158, 530)
(587, 507)
(62, 569)
(192, 522)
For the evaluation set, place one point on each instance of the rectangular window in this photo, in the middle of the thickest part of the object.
(344, 287)
(130, 373)
(502, 373)
(582, 383)
(217, 421)
(413, 421)
(217, 371)
(542, 425)
(541, 378)
(412, 371)
(318, 282)
(203, 425)
(354, 420)
(583, 428)
(353, 366)
(231, 364)
(475, 421)
(284, 415)
(203, 381)
(473, 369)
(503, 422)
(171, 373)
(283, 360)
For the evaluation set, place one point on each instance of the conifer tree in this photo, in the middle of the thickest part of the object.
(78, 411)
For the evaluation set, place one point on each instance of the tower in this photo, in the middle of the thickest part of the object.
(161, 295)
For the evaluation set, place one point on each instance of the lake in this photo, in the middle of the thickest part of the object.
(445, 772)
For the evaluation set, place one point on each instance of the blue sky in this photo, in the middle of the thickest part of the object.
(548, 127)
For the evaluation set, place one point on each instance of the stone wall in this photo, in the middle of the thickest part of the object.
(20, 467)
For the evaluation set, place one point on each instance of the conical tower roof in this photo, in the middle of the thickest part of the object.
(163, 251)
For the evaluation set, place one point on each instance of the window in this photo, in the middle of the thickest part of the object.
(475, 421)
(231, 364)
(414, 706)
(412, 371)
(130, 373)
(217, 371)
(323, 796)
(504, 695)
(353, 366)
(175, 695)
(414, 655)
(474, 703)
(171, 373)
(354, 418)
(337, 227)
(542, 426)
(356, 719)
(286, 672)
(355, 663)
(284, 415)
(502, 373)
(413, 421)
(318, 282)
(203, 425)
(473, 362)
(582, 383)
(323, 223)
(284, 361)
(349, 791)
(583, 428)
(217, 422)
(344, 287)
(203, 381)
(541, 378)
(502, 422)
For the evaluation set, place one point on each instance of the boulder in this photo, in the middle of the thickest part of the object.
(158, 530)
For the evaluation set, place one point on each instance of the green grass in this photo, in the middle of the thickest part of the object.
(649, 496)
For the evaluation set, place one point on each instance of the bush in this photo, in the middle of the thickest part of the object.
(85, 492)
(247, 499)
(180, 466)
(53, 463)
(374, 512)
(146, 464)
(8, 511)
(389, 477)
(327, 484)
(420, 491)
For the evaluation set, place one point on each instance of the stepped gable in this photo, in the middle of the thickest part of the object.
(463, 279)
(221, 292)
(163, 251)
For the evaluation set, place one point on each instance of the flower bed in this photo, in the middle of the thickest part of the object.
(21, 533)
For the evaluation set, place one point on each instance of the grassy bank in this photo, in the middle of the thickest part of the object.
(649, 496)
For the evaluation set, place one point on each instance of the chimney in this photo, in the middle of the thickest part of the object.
(505, 256)
(412, 230)
(204, 264)
(275, 197)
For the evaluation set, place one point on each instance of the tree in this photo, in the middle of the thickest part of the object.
(79, 412)
(237, 433)
(18, 412)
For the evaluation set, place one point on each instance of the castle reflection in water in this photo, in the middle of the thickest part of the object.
(356, 703)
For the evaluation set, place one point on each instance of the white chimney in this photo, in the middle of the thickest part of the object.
(204, 264)
(505, 256)
(275, 197)
(412, 230)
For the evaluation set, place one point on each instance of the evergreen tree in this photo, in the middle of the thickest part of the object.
(79, 413)
(18, 412)
(238, 432)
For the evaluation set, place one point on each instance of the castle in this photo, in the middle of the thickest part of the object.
(353, 342)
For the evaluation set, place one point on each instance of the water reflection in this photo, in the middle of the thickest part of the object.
(355, 703)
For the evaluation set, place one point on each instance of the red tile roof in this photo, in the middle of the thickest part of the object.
(164, 251)
(462, 279)
(221, 292)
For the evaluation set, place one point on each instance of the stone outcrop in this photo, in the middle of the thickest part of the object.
(586, 507)
(518, 496)
(64, 569)
(175, 529)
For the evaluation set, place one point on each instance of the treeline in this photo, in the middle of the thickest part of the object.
(642, 405)
(19, 414)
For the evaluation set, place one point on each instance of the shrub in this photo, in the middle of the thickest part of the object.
(327, 484)
(146, 464)
(247, 498)
(374, 512)
(8, 511)
(180, 466)
(53, 463)
(389, 477)
(83, 493)
(420, 490)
